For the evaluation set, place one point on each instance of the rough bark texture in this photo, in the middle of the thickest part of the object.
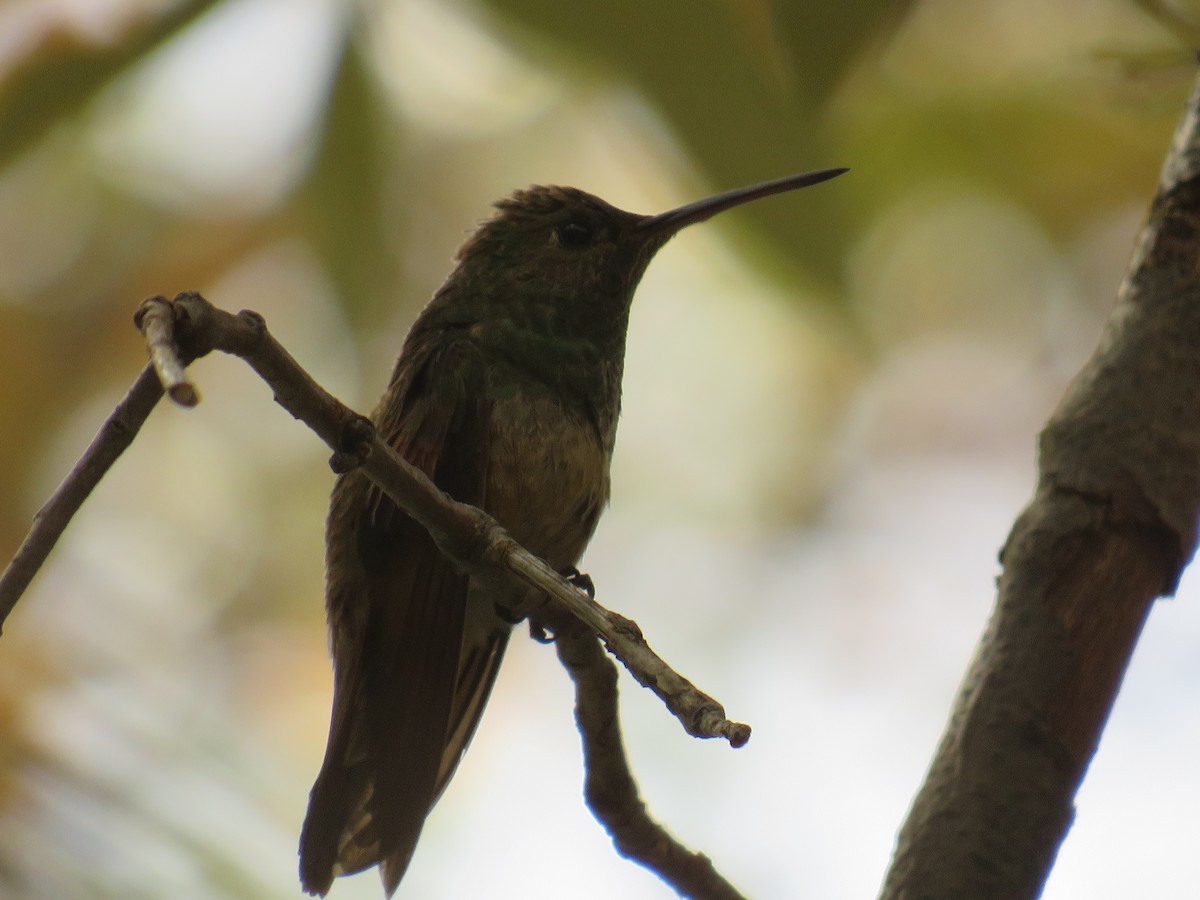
(1111, 525)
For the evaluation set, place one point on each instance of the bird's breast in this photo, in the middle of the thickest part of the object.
(548, 478)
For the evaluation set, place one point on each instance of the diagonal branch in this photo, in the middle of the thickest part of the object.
(188, 327)
(1110, 528)
(465, 534)
(115, 435)
(610, 790)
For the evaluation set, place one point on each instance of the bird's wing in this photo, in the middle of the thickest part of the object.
(407, 692)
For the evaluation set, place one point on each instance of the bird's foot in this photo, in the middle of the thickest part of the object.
(354, 445)
(580, 580)
(508, 614)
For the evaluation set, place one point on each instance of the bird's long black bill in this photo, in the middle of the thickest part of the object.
(680, 217)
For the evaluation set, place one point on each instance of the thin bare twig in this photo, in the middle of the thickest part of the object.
(479, 545)
(610, 789)
(474, 540)
(188, 327)
(465, 534)
(700, 714)
(51, 520)
(156, 320)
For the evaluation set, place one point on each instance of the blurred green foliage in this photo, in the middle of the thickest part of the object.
(62, 73)
(1054, 119)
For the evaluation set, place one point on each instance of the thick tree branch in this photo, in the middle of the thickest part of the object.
(1110, 528)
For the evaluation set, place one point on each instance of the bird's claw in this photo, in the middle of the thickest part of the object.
(354, 445)
(581, 580)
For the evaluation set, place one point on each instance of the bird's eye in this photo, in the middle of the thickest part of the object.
(574, 235)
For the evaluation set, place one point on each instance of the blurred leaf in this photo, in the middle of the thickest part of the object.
(1182, 20)
(1024, 146)
(342, 196)
(59, 78)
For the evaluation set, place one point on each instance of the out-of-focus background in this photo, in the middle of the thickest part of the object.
(831, 406)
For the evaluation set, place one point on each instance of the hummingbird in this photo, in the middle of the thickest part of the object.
(506, 393)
